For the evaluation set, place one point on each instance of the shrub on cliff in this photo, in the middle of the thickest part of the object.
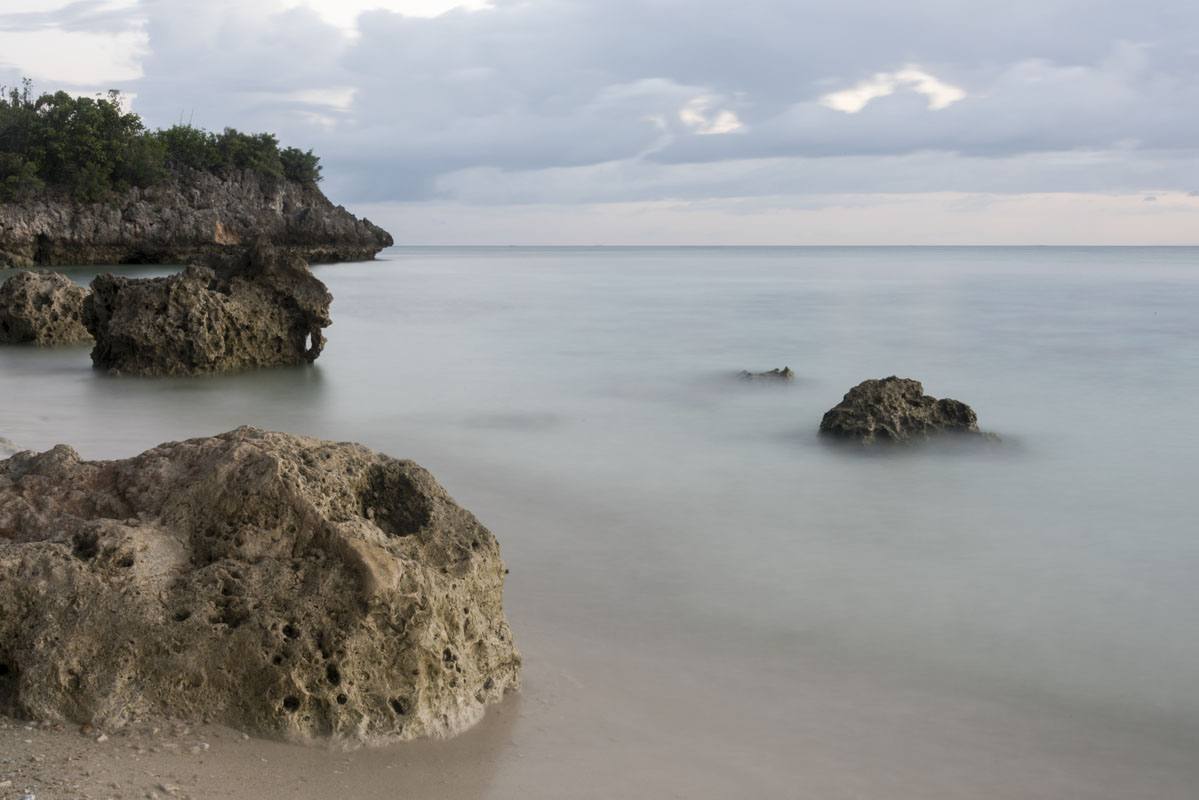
(91, 146)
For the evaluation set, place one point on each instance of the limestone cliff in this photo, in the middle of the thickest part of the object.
(190, 217)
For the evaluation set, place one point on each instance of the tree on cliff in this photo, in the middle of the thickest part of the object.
(89, 147)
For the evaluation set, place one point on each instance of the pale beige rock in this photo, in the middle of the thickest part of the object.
(44, 308)
(286, 586)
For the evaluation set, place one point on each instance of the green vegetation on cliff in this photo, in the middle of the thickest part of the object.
(89, 147)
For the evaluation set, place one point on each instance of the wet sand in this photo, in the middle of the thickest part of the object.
(591, 723)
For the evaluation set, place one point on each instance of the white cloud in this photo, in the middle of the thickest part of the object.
(344, 13)
(698, 114)
(940, 94)
(336, 98)
(76, 57)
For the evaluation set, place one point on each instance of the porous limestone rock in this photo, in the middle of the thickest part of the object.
(896, 410)
(258, 308)
(286, 586)
(45, 308)
(191, 216)
(774, 375)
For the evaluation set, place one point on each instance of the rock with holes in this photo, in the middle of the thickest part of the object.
(897, 410)
(258, 308)
(282, 585)
(44, 308)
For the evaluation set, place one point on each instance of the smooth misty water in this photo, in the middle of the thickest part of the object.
(711, 600)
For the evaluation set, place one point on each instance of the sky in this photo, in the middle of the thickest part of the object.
(678, 121)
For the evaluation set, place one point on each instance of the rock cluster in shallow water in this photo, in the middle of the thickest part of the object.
(260, 308)
(44, 308)
(784, 375)
(286, 586)
(896, 410)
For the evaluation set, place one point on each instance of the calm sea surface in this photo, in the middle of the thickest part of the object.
(711, 601)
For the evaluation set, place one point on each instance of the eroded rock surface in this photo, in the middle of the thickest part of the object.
(776, 375)
(286, 586)
(194, 215)
(260, 308)
(896, 410)
(45, 308)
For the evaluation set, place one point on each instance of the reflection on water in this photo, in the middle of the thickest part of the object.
(925, 623)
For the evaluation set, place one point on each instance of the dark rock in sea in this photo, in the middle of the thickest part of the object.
(777, 375)
(45, 308)
(286, 586)
(191, 217)
(257, 308)
(896, 410)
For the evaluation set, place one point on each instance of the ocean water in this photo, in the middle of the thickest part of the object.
(712, 602)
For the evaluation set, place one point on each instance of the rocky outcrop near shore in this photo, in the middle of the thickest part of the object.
(44, 308)
(257, 308)
(896, 410)
(191, 217)
(286, 586)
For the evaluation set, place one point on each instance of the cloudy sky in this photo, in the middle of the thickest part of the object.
(679, 121)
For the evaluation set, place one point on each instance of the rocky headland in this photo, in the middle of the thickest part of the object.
(189, 217)
(44, 308)
(896, 410)
(258, 307)
(285, 586)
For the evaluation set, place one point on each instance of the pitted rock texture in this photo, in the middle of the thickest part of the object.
(896, 410)
(286, 586)
(191, 217)
(784, 375)
(45, 308)
(260, 308)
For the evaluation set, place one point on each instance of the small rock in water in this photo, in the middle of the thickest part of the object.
(781, 375)
(897, 410)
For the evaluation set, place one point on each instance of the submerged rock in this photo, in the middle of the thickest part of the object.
(260, 308)
(45, 308)
(7, 447)
(896, 410)
(286, 586)
(779, 375)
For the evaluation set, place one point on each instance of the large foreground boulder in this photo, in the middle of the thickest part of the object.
(896, 410)
(44, 308)
(286, 586)
(260, 308)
